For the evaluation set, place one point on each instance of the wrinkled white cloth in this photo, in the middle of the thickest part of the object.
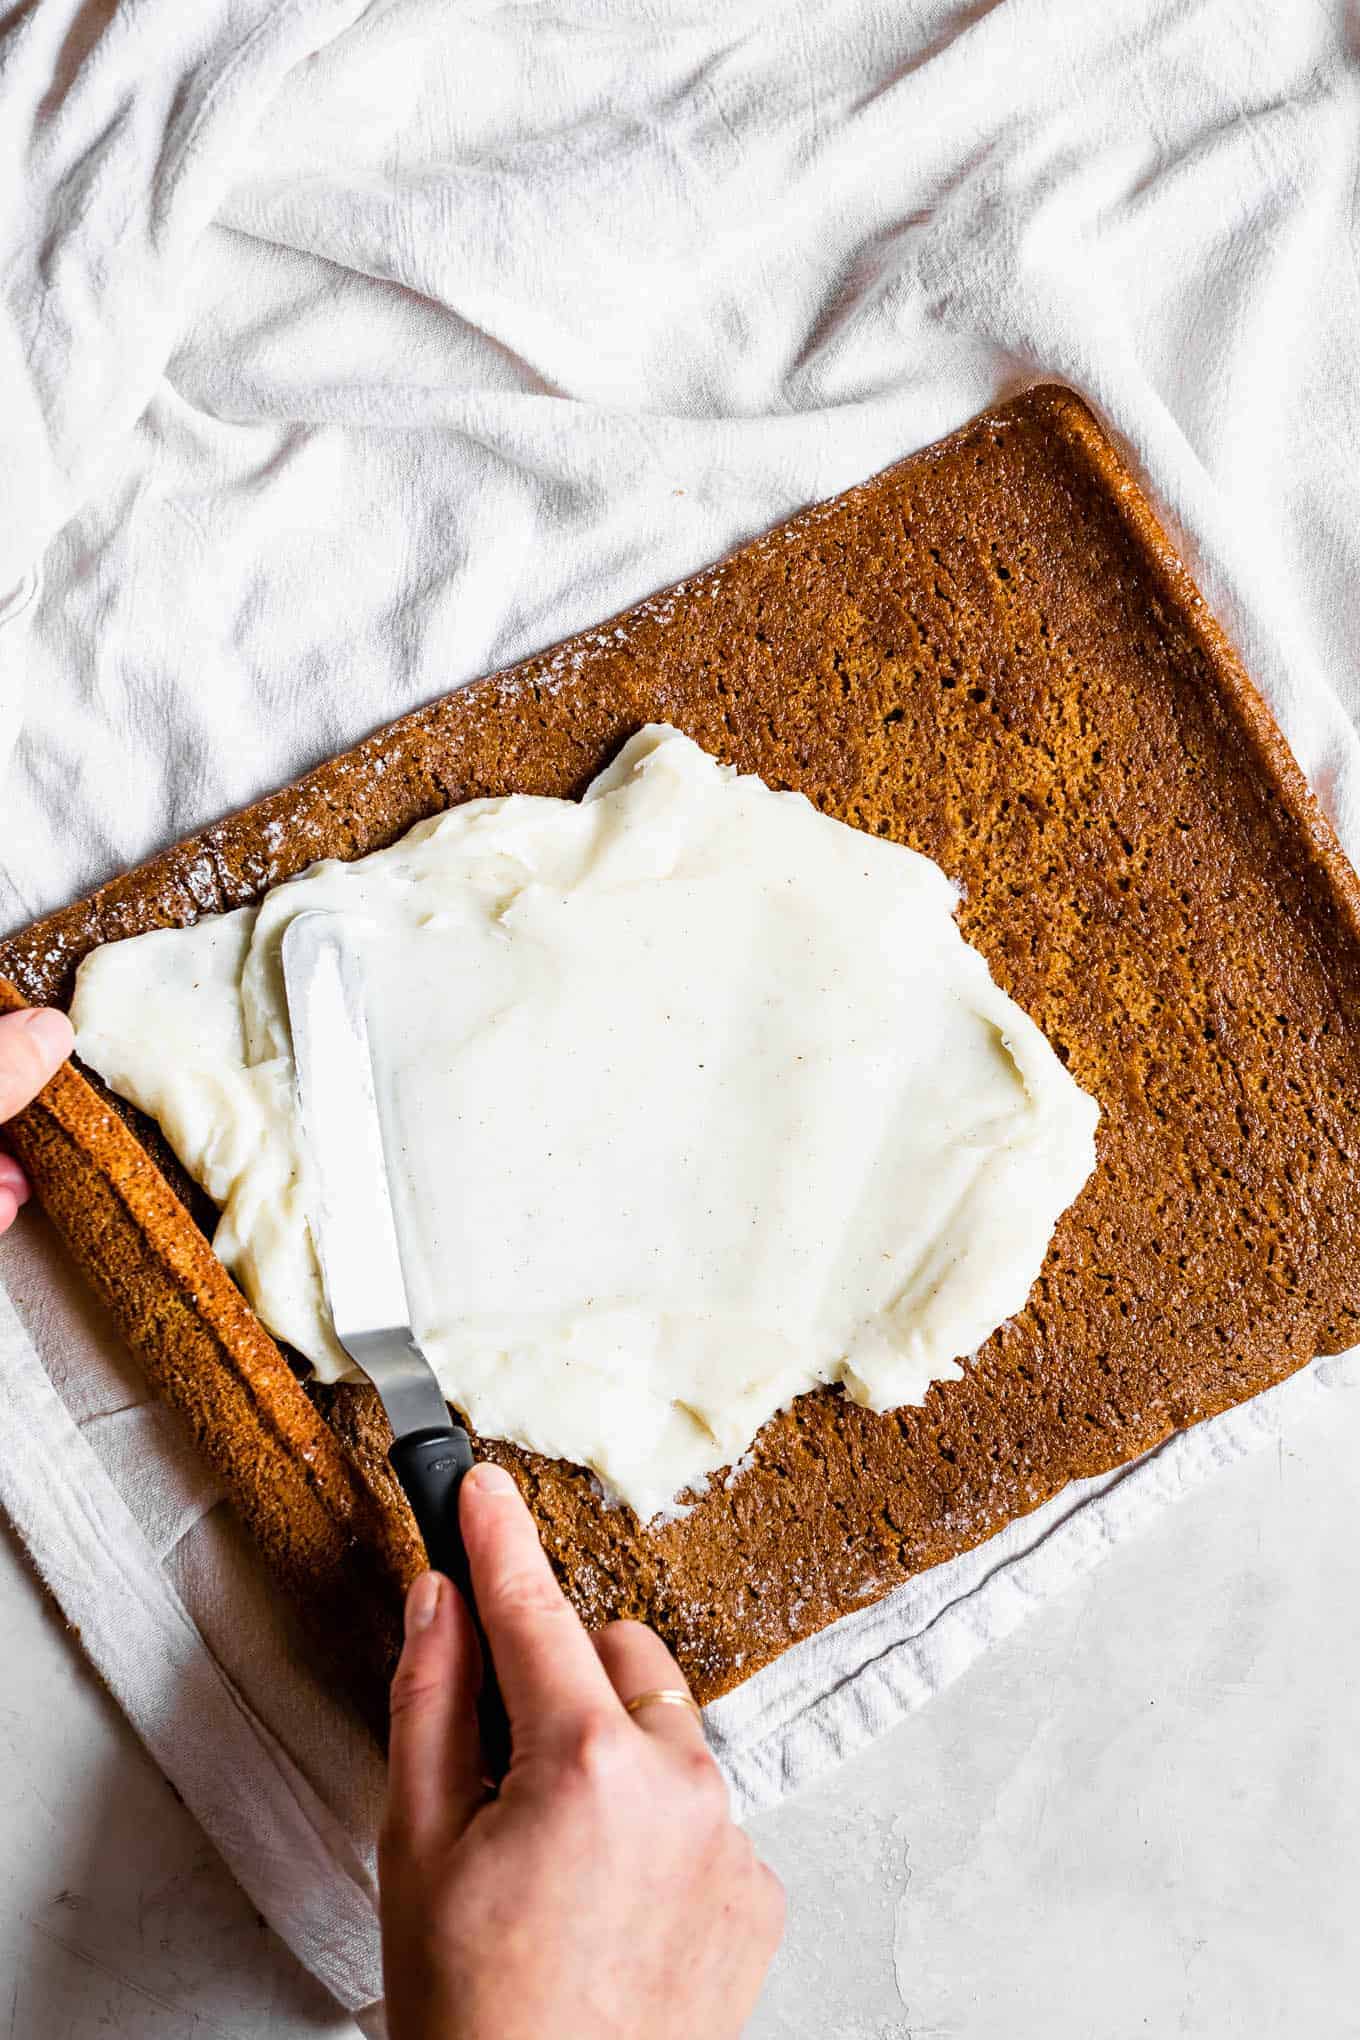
(348, 351)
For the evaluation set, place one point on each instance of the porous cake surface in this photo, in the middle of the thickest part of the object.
(989, 652)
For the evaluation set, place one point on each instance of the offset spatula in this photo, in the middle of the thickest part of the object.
(356, 1239)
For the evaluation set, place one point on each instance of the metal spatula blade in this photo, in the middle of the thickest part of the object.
(352, 1220)
(356, 1237)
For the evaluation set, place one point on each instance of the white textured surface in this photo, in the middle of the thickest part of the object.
(116, 1916)
(1134, 1819)
(342, 361)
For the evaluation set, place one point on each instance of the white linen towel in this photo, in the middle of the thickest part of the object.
(347, 351)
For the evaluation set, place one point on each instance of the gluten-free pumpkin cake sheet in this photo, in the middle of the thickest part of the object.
(989, 652)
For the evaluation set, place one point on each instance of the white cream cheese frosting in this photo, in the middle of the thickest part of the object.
(693, 1099)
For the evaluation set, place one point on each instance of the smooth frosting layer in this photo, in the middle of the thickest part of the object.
(693, 1098)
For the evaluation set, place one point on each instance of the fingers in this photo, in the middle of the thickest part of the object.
(13, 1190)
(33, 1045)
(636, 1661)
(434, 1778)
(550, 1678)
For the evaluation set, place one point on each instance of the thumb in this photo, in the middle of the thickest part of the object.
(434, 1776)
(33, 1044)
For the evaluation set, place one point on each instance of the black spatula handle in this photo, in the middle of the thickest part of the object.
(430, 1466)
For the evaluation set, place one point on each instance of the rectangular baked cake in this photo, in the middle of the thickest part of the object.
(989, 652)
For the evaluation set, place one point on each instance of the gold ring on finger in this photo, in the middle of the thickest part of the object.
(663, 1696)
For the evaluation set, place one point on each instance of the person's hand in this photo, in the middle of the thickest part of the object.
(33, 1045)
(607, 1892)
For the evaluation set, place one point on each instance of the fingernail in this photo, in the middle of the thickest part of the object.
(51, 1030)
(489, 1479)
(422, 1602)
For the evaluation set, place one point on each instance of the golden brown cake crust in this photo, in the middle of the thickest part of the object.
(308, 1504)
(989, 652)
